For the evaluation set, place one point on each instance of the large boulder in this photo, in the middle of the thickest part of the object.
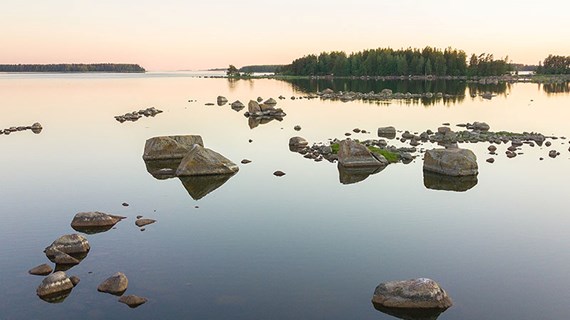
(55, 287)
(68, 249)
(352, 154)
(451, 162)
(200, 161)
(387, 132)
(170, 147)
(421, 293)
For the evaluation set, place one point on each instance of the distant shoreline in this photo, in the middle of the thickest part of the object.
(72, 68)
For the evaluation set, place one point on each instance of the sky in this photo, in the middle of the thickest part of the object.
(200, 34)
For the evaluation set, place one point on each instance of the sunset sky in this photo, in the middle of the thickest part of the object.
(183, 34)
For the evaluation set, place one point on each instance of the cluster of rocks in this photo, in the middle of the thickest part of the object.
(263, 113)
(135, 115)
(385, 94)
(68, 251)
(36, 128)
(201, 170)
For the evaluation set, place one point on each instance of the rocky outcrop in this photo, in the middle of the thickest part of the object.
(452, 162)
(201, 161)
(116, 284)
(68, 249)
(94, 222)
(55, 287)
(421, 293)
(36, 128)
(352, 154)
(135, 115)
(170, 147)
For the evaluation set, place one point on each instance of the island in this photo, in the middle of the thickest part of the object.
(73, 67)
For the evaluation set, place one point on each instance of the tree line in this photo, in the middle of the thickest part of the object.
(402, 62)
(554, 65)
(74, 67)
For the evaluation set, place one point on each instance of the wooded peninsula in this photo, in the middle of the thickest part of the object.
(73, 67)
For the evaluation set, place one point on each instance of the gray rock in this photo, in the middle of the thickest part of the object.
(492, 148)
(481, 126)
(202, 161)
(270, 102)
(170, 147)
(259, 99)
(421, 293)
(237, 105)
(253, 107)
(553, 153)
(68, 249)
(41, 270)
(221, 100)
(132, 300)
(144, 222)
(279, 173)
(297, 128)
(352, 154)
(298, 142)
(116, 284)
(74, 280)
(245, 161)
(491, 160)
(387, 132)
(55, 287)
(93, 222)
(453, 162)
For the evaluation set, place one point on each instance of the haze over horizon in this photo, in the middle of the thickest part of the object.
(177, 35)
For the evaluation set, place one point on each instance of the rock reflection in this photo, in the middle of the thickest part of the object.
(355, 175)
(200, 186)
(57, 297)
(437, 181)
(410, 314)
(254, 122)
(162, 169)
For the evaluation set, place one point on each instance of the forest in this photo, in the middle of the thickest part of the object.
(554, 65)
(402, 62)
(75, 67)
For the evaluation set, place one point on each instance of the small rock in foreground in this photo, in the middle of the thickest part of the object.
(132, 300)
(421, 293)
(144, 222)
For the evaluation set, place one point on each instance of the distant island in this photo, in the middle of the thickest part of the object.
(73, 68)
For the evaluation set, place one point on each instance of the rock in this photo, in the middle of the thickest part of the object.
(245, 161)
(74, 280)
(253, 107)
(481, 126)
(492, 148)
(93, 222)
(548, 143)
(328, 91)
(170, 147)
(55, 287)
(41, 270)
(421, 293)
(386, 92)
(553, 153)
(491, 160)
(144, 222)
(202, 161)
(36, 128)
(259, 99)
(116, 284)
(510, 154)
(124, 204)
(297, 128)
(221, 100)
(68, 249)
(237, 105)
(453, 162)
(356, 130)
(352, 154)
(279, 173)
(132, 300)
(298, 142)
(270, 102)
(387, 132)
(443, 130)
(209, 104)
(487, 95)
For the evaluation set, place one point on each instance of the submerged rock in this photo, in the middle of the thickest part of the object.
(55, 287)
(421, 293)
(452, 162)
(132, 300)
(94, 222)
(41, 270)
(116, 284)
(202, 161)
(170, 147)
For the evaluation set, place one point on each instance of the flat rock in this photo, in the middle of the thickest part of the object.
(202, 161)
(453, 162)
(170, 147)
(93, 221)
(132, 300)
(41, 270)
(421, 293)
(144, 222)
(353, 154)
(116, 284)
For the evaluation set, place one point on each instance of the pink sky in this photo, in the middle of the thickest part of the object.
(175, 34)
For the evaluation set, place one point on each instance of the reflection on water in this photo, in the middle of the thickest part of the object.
(554, 88)
(355, 175)
(200, 186)
(57, 297)
(410, 314)
(162, 169)
(437, 181)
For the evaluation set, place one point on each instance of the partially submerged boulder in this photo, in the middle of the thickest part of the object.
(201, 161)
(41, 270)
(132, 300)
(253, 107)
(55, 287)
(451, 162)
(68, 249)
(237, 105)
(421, 293)
(296, 143)
(353, 154)
(93, 222)
(387, 132)
(170, 147)
(116, 284)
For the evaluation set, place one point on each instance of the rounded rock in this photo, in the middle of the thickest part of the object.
(55, 284)
(116, 284)
(421, 293)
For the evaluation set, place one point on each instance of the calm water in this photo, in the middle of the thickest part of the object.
(303, 246)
